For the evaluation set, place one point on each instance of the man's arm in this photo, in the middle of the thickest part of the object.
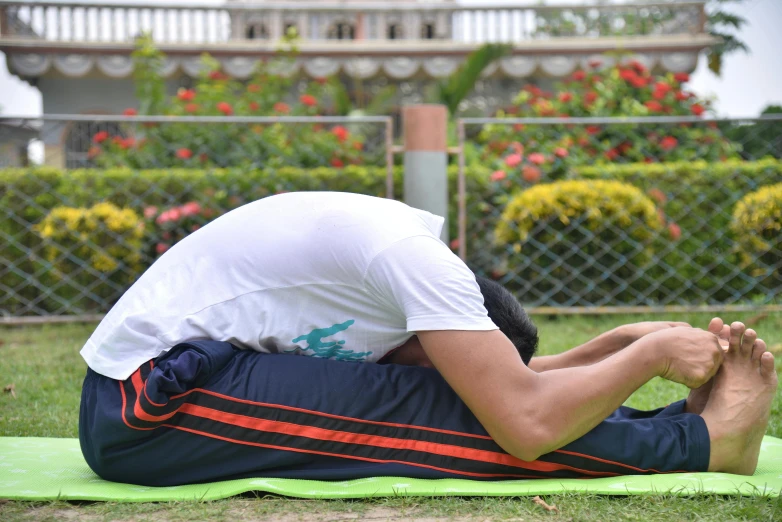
(529, 414)
(601, 347)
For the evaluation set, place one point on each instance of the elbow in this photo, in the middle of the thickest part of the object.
(530, 445)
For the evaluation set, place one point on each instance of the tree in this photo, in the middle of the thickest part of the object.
(723, 25)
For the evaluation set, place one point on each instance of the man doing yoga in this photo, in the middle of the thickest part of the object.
(245, 349)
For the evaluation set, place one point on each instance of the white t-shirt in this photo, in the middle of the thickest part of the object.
(326, 274)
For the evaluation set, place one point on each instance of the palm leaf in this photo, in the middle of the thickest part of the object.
(460, 84)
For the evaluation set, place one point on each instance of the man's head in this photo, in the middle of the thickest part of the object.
(504, 310)
(507, 313)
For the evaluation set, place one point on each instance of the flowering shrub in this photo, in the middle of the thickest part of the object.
(575, 239)
(96, 248)
(623, 90)
(169, 226)
(757, 226)
(218, 144)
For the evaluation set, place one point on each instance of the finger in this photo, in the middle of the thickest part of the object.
(679, 323)
(736, 331)
(758, 349)
(715, 325)
(750, 336)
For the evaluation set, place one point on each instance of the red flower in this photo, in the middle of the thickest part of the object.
(638, 82)
(662, 86)
(184, 153)
(186, 94)
(560, 152)
(530, 174)
(594, 64)
(578, 76)
(129, 112)
(308, 100)
(697, 109)
(282, 108)
(357, 145)
(681, 77)
(100, 137)
(340, 132)
(513, 160)
(537, 158)
(583, 141)
(498, 175)
(675, 231)
(225, 108)
(638, 66)
(592, 129)
(611, 154)
(150, 212)
(253, 87)
(217, 75)
(125, 143)
(518, 127)
(658, 195)
(590, 97)
(668, 143)
(160, 248)
(93, 151)
(337, 163)
(190, 209)
(654, 106)
(681, 96)
(194, 228)
(658, 95)
(565, 97)
(627, 75)
(322, 80)
(254, 106)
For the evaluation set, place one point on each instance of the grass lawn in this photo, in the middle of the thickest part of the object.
(44, 366)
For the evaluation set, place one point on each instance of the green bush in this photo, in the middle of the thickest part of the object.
(757, 225)
(577, 240)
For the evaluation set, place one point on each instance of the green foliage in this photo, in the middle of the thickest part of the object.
(148, 63)
(454, 89)
(723, 25)
(610, 223)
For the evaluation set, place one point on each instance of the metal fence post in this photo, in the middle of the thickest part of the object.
(426, 160)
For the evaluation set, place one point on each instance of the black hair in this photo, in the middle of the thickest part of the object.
(506, 312)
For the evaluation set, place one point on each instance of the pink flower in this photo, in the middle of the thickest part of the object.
(161, 248)
(530, 174)
(513, 160)
(565, 97)
(282, 108)
(191, 107)
(498, 175)
(129, 112)
(578, 76)
(184, 153)
(190, 209)
(254, 106)
(675, 231)
(537, 158)
(149, 212)
(560, 152)
(454, 244)
(225, 108)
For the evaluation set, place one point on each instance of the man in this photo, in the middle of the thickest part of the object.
(242, 352)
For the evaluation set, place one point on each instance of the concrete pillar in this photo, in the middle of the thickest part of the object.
(426, 159)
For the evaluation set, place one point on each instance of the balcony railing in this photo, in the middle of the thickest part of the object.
(117, 23)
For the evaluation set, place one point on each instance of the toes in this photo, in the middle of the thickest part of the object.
(750, 336)
(767, 365)
(715, 326)
(736, 332)
(725, 333)
(758, 349)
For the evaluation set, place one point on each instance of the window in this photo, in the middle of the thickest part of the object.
(395, 32)
(427, 32)
(256, 31)
(341, 31)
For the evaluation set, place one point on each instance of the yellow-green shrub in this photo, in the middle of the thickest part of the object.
(757, 226)
(97, 248)
(579, 241)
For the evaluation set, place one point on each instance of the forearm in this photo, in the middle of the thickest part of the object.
(566, 403)
(591, 352)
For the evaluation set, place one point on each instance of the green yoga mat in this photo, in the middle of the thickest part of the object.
(48, 469)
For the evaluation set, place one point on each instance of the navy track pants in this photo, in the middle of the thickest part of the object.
(206, 411)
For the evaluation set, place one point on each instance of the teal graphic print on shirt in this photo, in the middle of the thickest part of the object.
(330, 349)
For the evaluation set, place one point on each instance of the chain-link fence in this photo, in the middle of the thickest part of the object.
(113, 193)
(634, 212)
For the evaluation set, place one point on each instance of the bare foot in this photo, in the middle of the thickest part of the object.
(737, 411)
(698, 397)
